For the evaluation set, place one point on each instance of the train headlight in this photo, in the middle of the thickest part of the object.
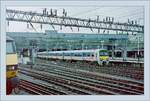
(9, 68)
(107, 59)
(13, 67)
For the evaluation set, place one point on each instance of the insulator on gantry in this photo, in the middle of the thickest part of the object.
(103, 20)
(109, 18)
(132, 22)
(44, 11)
(55, 12)
(135, 22)
(51, 12)
(106, 19)
(89, 20)
(112, 19)
(128, 21)
(65, 13)
(97, 18)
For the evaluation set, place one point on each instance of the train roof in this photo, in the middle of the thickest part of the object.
(9, 38)
(74, 51)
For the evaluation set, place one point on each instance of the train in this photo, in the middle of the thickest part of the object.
(12, 80)
(101, 56)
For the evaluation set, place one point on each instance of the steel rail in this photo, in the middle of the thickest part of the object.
(92, 85)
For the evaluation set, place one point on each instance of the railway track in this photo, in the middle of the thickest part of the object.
(88, 77)
(33, 88)
(61, 82)
(38, 88)
(54, 66)
(134, 73)
(86, 83)
(78, 74)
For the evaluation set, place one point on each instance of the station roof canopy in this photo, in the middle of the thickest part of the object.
(53, 34)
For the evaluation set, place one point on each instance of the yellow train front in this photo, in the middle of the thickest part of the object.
(12, 81)
(103, 57)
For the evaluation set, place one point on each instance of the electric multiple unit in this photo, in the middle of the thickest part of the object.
(99, 55)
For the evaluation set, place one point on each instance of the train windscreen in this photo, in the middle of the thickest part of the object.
(103, 53)
(10, 47)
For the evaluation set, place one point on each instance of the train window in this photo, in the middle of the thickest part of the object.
(59, 54)
(66, 54)
(10, 47)
(91, 55)
(77, 54)
(80, 54)
(83, 54)
(88, 54)
(72, 54)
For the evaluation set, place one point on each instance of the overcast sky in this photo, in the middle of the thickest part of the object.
(120, 14)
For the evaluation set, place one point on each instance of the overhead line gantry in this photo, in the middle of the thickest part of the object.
(107, 24)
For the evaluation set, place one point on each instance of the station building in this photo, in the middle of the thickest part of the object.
(53, 40)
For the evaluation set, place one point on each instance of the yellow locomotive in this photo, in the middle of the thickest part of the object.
(12, 80)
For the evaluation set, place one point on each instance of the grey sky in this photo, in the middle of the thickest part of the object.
(120, 14)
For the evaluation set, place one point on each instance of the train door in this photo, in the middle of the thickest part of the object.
(97, 57)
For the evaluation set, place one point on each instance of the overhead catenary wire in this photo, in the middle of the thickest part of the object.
(84, 12)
